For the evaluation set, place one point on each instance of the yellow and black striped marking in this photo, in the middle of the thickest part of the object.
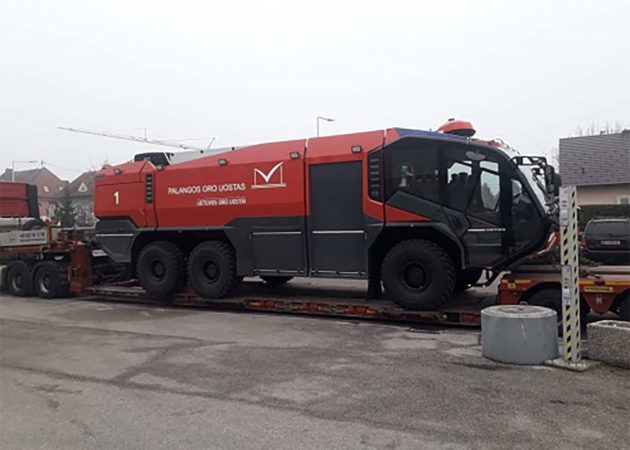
(570, 274)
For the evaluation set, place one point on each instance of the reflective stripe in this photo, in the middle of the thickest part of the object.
(115, 235)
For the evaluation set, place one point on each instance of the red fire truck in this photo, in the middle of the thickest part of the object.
(423, 212)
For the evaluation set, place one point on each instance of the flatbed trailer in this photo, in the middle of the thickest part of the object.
(83, 273)
(463, 309)
(602, 288)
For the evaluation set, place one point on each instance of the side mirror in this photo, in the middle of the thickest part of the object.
(552, 181)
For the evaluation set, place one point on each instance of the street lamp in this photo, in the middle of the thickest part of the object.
(322, 118)
(13, 167)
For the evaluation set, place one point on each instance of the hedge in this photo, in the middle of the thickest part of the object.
(587, 212)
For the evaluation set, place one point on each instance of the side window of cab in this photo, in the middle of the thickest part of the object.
(411, 166)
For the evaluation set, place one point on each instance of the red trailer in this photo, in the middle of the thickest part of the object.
(602, 288)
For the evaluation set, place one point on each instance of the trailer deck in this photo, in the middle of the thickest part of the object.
(346, 302)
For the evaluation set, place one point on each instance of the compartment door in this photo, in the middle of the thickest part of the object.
(336, 224)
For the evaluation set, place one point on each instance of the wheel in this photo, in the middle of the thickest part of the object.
(33, 224)
(212, 269)
(552, 298)
(418, 275)
(549, 298)
(275, 280)
(49, 281)
(624, 307)
(466, 278)
(161, 268)
(19, 279)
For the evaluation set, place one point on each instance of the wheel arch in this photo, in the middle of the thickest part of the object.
(392, 235)
(526, 295)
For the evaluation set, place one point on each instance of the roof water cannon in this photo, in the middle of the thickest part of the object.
(457, 127)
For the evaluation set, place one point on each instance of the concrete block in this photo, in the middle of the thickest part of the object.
(609, 342)
(519, 334)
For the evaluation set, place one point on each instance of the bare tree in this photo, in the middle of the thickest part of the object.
(595, 129)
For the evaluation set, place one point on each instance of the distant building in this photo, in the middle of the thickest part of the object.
(49, 186)
(599, 166)
(81, 192)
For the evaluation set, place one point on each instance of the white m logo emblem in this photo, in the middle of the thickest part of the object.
(267, 180)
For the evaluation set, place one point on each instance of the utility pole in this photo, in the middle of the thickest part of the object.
(21, 162)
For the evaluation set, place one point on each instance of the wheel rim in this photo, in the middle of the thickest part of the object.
(18, 282)
(415, 276)
(44, 284)
(211, 271)
(158, 269)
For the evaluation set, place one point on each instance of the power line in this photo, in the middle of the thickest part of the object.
(46, 163)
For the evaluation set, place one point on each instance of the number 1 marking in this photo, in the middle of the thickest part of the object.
(116, 198)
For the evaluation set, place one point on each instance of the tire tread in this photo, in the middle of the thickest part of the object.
(445, 261)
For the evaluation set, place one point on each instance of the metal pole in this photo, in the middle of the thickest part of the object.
(570, 275)
(19, 161)
(327, 119)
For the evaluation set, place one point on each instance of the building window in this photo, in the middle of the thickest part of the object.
(623, 199)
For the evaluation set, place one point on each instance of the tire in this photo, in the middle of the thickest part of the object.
(549, 298)
(212, 269)
(160, 269)
(33, 224)
(275, 280)
(467, 278)
(48, 281)
(552, 298)
(19, 279)
(624, 308)
(418, 275)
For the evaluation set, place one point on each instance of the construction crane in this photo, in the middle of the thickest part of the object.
(142, 140)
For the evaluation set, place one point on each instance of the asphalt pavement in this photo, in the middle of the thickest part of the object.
(95, 374)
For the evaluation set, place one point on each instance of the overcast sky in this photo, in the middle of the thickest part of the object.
(255, 71)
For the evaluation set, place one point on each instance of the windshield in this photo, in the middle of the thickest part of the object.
(616, 227)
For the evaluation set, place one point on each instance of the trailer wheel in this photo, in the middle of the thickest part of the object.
(552, 298)
(161, 268)
(19, 279)
(33, 224)
(418, 275)
(549, 298)
(48, 281)
(275, 280)
(212, 269)
(466, 278)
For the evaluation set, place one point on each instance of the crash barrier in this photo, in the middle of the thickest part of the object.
(519, 334)
(609, 342)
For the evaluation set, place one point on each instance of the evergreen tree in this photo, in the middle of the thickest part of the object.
(64, 211)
